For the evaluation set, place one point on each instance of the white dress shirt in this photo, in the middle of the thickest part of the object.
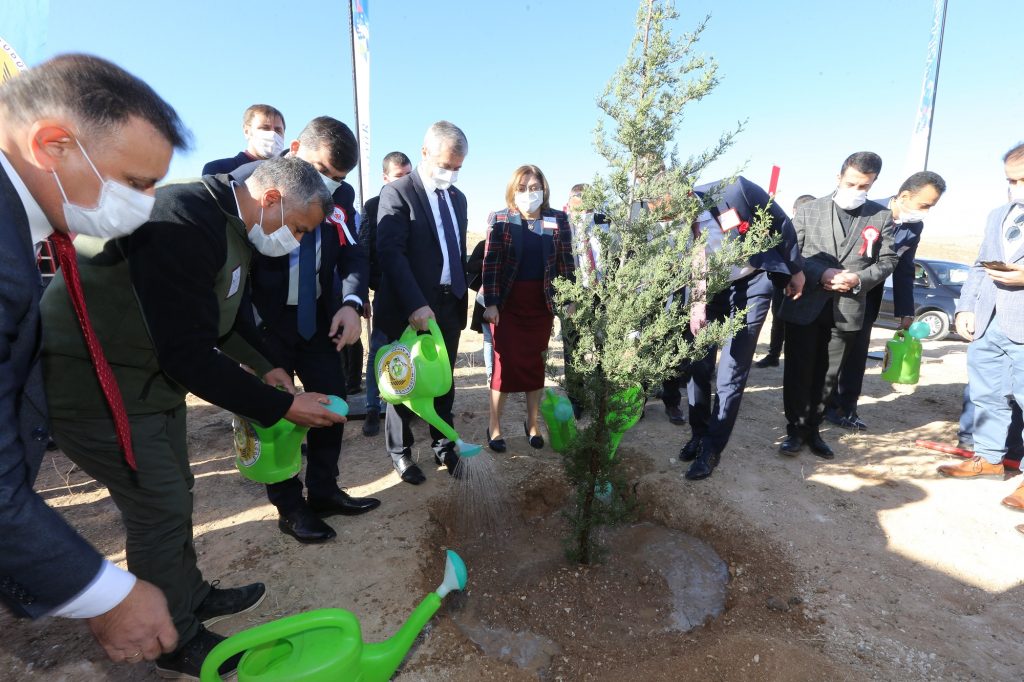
(428, 187)
(111, 584)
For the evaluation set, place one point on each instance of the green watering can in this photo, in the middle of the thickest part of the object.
(327, 645)
(271, 454)
(625, 408)
(902, 364)
(560, 420)
(413, 371)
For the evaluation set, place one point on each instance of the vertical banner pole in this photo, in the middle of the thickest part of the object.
(359, 25)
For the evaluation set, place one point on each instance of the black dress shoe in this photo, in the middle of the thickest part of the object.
(409, 471)
(305, 526)
(536, 442)
(448, 459)
(342, 503)
(187, 660)
(704, 464)
(496, 444)
(690, 451)
(371, 427)
(221, 603)
(767, 361)
(675, 415)
(820, 447)
(791, 445)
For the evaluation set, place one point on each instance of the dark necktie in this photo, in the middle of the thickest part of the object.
(105, 375)
(452, 244)
(307, 286)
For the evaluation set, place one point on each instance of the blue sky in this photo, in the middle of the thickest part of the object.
(814, 81)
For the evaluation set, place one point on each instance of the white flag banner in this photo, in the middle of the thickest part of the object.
(917, 155)
(361, 67)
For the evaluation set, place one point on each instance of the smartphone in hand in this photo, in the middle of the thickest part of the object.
(996, 265)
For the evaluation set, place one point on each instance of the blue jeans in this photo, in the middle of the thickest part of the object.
(373, 401)
(1014, 438)
(995, 368)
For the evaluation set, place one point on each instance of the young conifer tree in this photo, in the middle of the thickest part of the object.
(628, 318)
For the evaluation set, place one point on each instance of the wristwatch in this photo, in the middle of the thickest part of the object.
(354, 304)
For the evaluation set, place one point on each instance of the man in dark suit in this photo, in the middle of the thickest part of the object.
(299, 315)
(45, 567)
(421, 244)
(733, 208)
(847, 245)
(168, 302)
(917, 195)
(263, 127)
(396, 165)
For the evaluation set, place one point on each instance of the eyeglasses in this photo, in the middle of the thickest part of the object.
(1013, 231)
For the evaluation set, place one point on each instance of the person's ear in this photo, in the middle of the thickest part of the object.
(294, 146)
(270, 198)
(49, 144)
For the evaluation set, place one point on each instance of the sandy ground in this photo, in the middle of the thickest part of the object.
(870, 566)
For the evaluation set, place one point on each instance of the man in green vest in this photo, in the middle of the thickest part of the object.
(165, 305)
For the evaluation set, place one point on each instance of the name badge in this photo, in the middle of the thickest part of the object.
(729, 220)
(549, 226)
(236, 281)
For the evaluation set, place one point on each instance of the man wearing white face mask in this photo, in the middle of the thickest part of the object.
(303, 324)
(847, 244)
(916, 196)
(167, 300)
(263, 127)
(69, 164)
(421, 246)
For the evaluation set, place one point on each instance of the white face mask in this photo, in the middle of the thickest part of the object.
(330, 183)
(119, 211)
(850, 198)
(266, 143)
(280, 243)
(910, 216)
(1016, 193)
(528, 202)
(443, 178)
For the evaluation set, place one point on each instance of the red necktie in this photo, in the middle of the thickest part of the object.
(111, 391)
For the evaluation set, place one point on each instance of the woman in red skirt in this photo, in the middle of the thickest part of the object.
(528, 246)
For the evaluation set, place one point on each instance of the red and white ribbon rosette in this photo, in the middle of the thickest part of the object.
(870, 235)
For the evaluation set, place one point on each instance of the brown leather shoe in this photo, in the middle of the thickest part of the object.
(1015, 501)
(971, 468)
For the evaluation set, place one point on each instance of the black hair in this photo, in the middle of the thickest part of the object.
(868, 163)
(918, 181)
(98, 94)
(338, 137)
(397, 159)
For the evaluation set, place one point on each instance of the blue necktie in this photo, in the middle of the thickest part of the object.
(307, 286)
(452, 244)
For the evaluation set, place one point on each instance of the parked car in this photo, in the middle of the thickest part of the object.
(936, 292)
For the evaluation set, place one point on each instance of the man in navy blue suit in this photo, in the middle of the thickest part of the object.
(263, 127)
(68, 128)
(734, 207)
(917, 195)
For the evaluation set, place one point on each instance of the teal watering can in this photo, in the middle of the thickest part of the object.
(327, 645)
(560, 420)
(413, 371)
(271, 454)
(902, 364)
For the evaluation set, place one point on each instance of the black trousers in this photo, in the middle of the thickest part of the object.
(846, 393)
(398, 437)
(318, 367)
(814, 354)
(778, 331)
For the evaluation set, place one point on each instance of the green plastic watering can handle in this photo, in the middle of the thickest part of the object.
(279, 629)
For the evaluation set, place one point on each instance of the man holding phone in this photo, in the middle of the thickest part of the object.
(991, 316)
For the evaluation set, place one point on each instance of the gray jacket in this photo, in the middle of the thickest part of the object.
(984, 297)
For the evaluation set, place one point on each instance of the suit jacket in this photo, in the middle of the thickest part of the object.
(368, 238)
(784, 258)
(43, 562)
(983, 297)
(410, 252)
(340, 254)
(823, 245)
(906, 238)
(222, 166)
(504, 246)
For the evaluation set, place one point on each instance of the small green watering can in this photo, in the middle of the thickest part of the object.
(271, 454)
(902, 364)
(327, 645)
(560, 420)
(413, 371)
(624, 410)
